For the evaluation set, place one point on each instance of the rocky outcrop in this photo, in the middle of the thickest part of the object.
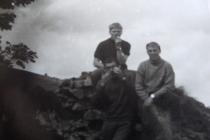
(31, 102)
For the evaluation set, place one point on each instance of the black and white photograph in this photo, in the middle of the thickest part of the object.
(104, 70)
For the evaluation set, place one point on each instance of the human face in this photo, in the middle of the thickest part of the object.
(154, 52)
(115, 32)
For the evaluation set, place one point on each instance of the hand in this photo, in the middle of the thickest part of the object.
(119, 48)
(143, 96)
(148, 101)
(117, 40)
(116, 70)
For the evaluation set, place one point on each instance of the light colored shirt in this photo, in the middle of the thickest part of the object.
(151, 78)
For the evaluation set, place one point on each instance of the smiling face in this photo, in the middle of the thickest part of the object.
(153, 50)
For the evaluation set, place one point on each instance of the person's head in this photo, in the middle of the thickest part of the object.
(115, 30)
(113, 83)
(153, 50)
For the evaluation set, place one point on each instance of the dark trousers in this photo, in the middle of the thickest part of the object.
(115, 130)
(156, 121)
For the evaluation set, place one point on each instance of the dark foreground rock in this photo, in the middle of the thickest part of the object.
(36, 107)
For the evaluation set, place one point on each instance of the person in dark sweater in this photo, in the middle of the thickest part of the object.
(116, 98)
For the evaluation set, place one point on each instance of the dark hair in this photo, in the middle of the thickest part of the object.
(112, 78)
(153, 44)
(114, 83)
(115, 25)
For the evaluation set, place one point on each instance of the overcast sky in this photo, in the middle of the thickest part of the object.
(65, 34)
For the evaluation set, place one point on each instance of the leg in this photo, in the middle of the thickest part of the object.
(123, 130)
(157, 122)
(108, 130)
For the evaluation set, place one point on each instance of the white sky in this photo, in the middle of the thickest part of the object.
(65, 34)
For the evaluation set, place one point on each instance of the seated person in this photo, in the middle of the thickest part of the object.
(155, 78)
(117, 100)
(112, 48)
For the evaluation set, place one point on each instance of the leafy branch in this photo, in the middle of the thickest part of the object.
(16, 54)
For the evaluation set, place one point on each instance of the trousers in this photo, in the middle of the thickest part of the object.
(115, 130)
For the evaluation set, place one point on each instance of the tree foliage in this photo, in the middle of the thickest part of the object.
(10, 4)
(16, 54)
(6, 19)
(13, 54)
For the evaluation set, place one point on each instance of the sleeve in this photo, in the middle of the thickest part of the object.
(126, 48)
(169, 81)
(98, 52)
(96, 76)
(139, 83)
(100, 100)
(170, 78)
(96, 100)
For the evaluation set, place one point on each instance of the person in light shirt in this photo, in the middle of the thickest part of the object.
(154, 78)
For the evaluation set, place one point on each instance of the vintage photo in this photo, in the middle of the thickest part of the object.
(104, 70)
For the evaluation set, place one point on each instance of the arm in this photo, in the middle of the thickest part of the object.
(169, 82)
(121, 57)
(100, 100)
(97, 63)
(98, 57)
(122, 51)
(97, 100)
(139, 83)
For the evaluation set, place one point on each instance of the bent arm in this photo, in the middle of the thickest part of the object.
(123, 52)
(98, 63)
(121, 57)
(139, 83)
(169, 83)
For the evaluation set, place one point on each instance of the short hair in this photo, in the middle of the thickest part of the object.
(153, 44)
(115, 25)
